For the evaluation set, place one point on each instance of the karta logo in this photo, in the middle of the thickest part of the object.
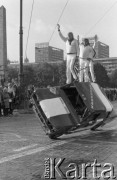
(55, 168)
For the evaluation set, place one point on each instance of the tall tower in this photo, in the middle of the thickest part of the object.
(3, 43)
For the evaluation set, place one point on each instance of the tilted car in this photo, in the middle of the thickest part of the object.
(66, 109)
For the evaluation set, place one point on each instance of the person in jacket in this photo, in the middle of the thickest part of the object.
(10, 92)
(15, 96)
(72, 50)
(6, 101)
(1, 100)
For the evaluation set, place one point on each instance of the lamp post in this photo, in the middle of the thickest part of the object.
(21, 46)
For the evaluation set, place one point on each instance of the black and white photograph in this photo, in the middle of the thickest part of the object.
(58, 89)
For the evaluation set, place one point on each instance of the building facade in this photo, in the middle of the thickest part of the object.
(3, 43)
(46, 53)
(110, 64)
(102, 50)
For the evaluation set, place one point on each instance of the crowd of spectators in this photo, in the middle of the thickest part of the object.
(111, 93)
(9, 98)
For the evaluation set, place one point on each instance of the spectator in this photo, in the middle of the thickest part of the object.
(15, 96)
(10, 91)
(5, 101)
(1, 99)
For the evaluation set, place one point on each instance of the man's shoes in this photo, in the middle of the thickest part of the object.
(66, 85)
(75, 77)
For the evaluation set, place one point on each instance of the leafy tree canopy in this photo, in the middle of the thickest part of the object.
(101, 75)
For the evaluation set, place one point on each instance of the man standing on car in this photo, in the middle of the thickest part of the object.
(72, 50)
(86, 55)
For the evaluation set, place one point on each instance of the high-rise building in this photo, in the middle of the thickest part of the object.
(3, 43)
(46, 53)
(102, 50)
(110, 64)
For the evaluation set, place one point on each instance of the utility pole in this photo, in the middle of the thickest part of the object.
(21, 46)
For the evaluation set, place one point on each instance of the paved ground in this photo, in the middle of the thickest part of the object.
(24, 148)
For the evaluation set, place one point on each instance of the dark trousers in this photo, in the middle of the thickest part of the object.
(0, 109)
(5, 111)
(10, 108)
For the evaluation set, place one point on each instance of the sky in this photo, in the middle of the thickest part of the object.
(82, 17)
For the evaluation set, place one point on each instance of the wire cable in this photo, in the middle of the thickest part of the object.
(29, 29)
(58, 20)
(101, 18)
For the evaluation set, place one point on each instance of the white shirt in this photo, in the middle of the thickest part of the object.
(86, 52)
(70, 47)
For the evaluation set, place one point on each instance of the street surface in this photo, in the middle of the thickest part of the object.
(24, 147)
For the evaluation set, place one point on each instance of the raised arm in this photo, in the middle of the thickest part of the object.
(61, 35)
(95, 40)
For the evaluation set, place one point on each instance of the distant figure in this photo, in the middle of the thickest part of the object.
(6, 101)
(1, 100)
(15, 96)
(10, 92)
(86, 56)
(72, 50)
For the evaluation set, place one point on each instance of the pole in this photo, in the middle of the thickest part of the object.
(21, 46)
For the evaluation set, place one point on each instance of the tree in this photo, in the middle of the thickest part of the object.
(26, 60)
(29, 75)
(44, 74)
(12, 73)
(113, 78)
(55, 76)
(101, 75)
(62, 73)
(8, 61)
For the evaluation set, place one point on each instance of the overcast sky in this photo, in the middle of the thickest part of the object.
(84, 17)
